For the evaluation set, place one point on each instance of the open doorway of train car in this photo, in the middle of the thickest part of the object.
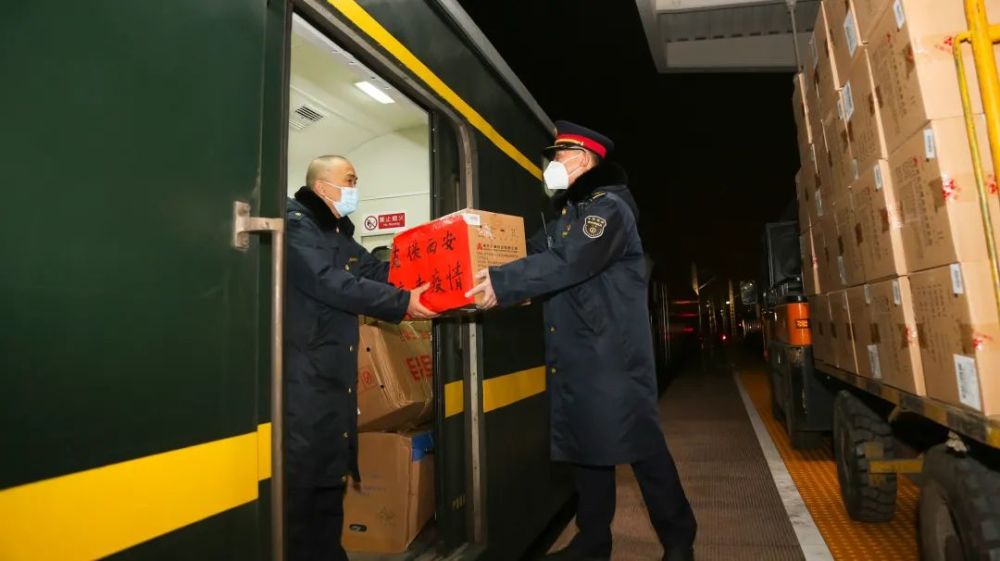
(340, 106)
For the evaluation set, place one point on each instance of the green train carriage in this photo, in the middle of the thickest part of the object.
(136, 354)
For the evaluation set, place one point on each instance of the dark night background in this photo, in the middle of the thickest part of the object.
(711, 157)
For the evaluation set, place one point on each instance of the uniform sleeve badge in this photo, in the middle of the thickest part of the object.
(593, 226)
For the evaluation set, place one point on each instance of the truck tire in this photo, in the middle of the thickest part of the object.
(867, 497)
(959, 510)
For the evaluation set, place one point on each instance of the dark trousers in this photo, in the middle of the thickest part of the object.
(315, 520)
(668, 507)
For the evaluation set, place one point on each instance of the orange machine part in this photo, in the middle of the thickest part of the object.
(793, 324)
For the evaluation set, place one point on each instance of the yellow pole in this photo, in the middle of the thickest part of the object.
(989, 86)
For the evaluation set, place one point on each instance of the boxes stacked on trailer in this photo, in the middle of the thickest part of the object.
(825, 244)
(842, 332)
(850, 268)
(879, 227)
(862, 333)
(819, 320)
(893, 352)
(959, 334)
(395, 500)
(933, 177)
(810, 268)
(825, 81)
(863, 114)
(913, 66)
(845, 37)
(840, 162)
(802, 109)
(866, 15)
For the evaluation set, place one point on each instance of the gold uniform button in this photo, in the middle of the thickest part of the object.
(553, 369)
(552, 329)
(345, 435)
(343, 479)
(350, 390)
(351, 348)
(347, 267)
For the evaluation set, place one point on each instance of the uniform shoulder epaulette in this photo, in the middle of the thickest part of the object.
(596, 196)
(296, 215)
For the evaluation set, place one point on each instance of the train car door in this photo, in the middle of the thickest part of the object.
(134, 332)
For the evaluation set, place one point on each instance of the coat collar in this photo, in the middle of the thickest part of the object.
(605, 174)
(322, 214)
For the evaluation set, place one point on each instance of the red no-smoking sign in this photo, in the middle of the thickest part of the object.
(385, 221)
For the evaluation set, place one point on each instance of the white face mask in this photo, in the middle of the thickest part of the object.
(556, 177)
(348, 202)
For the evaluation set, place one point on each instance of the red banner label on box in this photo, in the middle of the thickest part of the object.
(436, 253)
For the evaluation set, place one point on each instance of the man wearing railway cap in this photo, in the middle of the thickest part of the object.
(587, 266)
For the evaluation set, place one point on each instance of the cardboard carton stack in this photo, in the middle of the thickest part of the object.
(894, 252)
(395, 498)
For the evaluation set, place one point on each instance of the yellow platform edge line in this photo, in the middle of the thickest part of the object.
(504, 390)
(369, 25)
(98, 512)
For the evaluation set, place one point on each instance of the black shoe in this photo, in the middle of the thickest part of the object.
(679, 555)
(570, 554)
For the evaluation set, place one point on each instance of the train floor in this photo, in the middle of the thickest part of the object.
(756, 499)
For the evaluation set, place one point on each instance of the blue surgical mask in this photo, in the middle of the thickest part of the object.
(348, 202)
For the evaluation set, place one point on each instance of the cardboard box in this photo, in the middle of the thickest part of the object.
(933, 178)
(959, 335)
(819, 320)
(845, 35)
(810, 267)
(867, 14)
(824, 69)
(801, 109)
(879, 235)
(850, 265)
(805, 192)
(893, 352)
(842, 331)
(840, 159)
(864, 117)
(449, 251)
(825, 245)
(395, 376)
(395, 498)
(862, 331)
(913, 66)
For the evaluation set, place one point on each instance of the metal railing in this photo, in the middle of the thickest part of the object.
(981, 35)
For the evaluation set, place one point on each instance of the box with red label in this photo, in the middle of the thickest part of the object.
(447, 253)
(395, 376)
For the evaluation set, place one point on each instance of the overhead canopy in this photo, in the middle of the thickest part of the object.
(725, 35)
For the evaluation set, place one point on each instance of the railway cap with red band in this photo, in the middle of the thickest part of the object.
(573, 136)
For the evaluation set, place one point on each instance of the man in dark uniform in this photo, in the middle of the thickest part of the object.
(331, 280)
(589, 269)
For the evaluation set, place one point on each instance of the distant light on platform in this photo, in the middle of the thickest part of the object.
(373, 92)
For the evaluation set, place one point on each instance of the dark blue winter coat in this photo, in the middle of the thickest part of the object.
(599, 349)
(331, 280)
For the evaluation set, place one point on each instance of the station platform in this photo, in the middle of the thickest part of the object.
(756, 499)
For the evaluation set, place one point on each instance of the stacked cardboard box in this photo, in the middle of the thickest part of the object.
(395, 498)
(901, 288)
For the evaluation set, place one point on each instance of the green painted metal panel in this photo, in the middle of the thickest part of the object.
(131, 325)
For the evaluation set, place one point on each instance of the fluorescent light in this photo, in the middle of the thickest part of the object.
(373, 92)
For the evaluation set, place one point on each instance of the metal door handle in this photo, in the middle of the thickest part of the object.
(243, 226)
